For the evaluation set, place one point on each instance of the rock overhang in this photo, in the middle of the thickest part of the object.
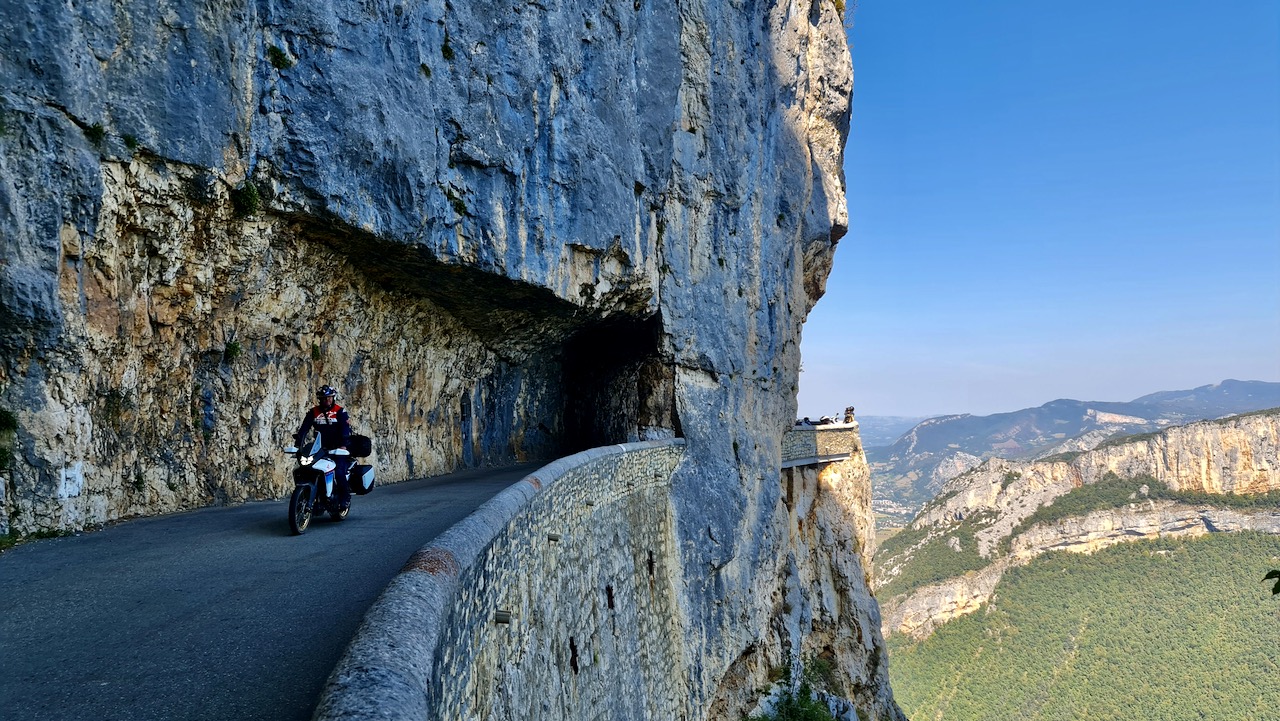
(529, 181)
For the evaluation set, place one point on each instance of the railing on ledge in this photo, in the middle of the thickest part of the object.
(812, 445)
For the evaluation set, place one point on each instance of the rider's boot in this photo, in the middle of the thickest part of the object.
(343, 493)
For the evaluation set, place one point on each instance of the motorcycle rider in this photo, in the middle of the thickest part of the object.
(334, 426)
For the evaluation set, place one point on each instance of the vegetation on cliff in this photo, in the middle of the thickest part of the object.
(917, 557)
(799, 702)
(1115, 492)
(797, 705)
(933, 556)
(1161, 630)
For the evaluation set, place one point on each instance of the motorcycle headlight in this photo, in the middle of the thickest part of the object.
(307, 460)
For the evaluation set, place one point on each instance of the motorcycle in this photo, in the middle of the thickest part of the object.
(316, 483)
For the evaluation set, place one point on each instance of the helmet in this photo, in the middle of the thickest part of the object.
(326, 392)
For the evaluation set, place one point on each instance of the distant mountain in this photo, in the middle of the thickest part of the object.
(911, 470)
(1225, 398)
(884, 430)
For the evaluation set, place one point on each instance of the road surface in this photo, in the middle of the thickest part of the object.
(213, 614)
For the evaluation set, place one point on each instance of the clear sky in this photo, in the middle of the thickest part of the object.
(1053, 200)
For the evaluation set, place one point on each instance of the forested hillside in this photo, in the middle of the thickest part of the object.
(1165, 630)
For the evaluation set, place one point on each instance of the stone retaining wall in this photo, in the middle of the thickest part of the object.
(815, 443)
(799, 443)
(556, 599)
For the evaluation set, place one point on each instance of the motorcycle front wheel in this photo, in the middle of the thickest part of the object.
(300, 509)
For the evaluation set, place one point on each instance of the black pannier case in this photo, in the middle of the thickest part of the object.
(360, 446)
(360, 479)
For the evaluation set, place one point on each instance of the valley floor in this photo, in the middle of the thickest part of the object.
(1165, 630)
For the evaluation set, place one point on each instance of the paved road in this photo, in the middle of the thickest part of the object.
(213, 614)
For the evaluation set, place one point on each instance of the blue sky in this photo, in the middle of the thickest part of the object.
(1053, 200)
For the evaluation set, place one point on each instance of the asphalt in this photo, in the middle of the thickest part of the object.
(218, 613)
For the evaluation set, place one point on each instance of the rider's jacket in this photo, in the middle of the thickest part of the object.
(333, 425)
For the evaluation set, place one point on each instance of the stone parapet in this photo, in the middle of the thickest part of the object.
(807, 445)
(556, 599)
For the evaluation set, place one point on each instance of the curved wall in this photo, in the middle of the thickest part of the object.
(562, 598)
(554, 600)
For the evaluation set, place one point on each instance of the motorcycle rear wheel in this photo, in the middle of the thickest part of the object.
(300, 510)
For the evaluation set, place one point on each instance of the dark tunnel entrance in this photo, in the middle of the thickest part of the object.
(552, 379)
(617, 389)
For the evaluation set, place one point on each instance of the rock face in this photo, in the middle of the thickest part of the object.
(922, 611)
(1240, 454)
(823, 609)
(503, 232)
(1149, 519)
(628, 206)
(1235, 455)
(918, 614)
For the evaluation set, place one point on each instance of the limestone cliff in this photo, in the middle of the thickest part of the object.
(914, 468)
(824, 612)
(990, 508)
(503, 231)
(1239, 454)
(920, 612)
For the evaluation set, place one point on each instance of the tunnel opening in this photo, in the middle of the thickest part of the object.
(561, 378)
(617, 386)
(459, 366)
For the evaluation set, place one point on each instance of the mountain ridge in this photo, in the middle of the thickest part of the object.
(910, 471)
